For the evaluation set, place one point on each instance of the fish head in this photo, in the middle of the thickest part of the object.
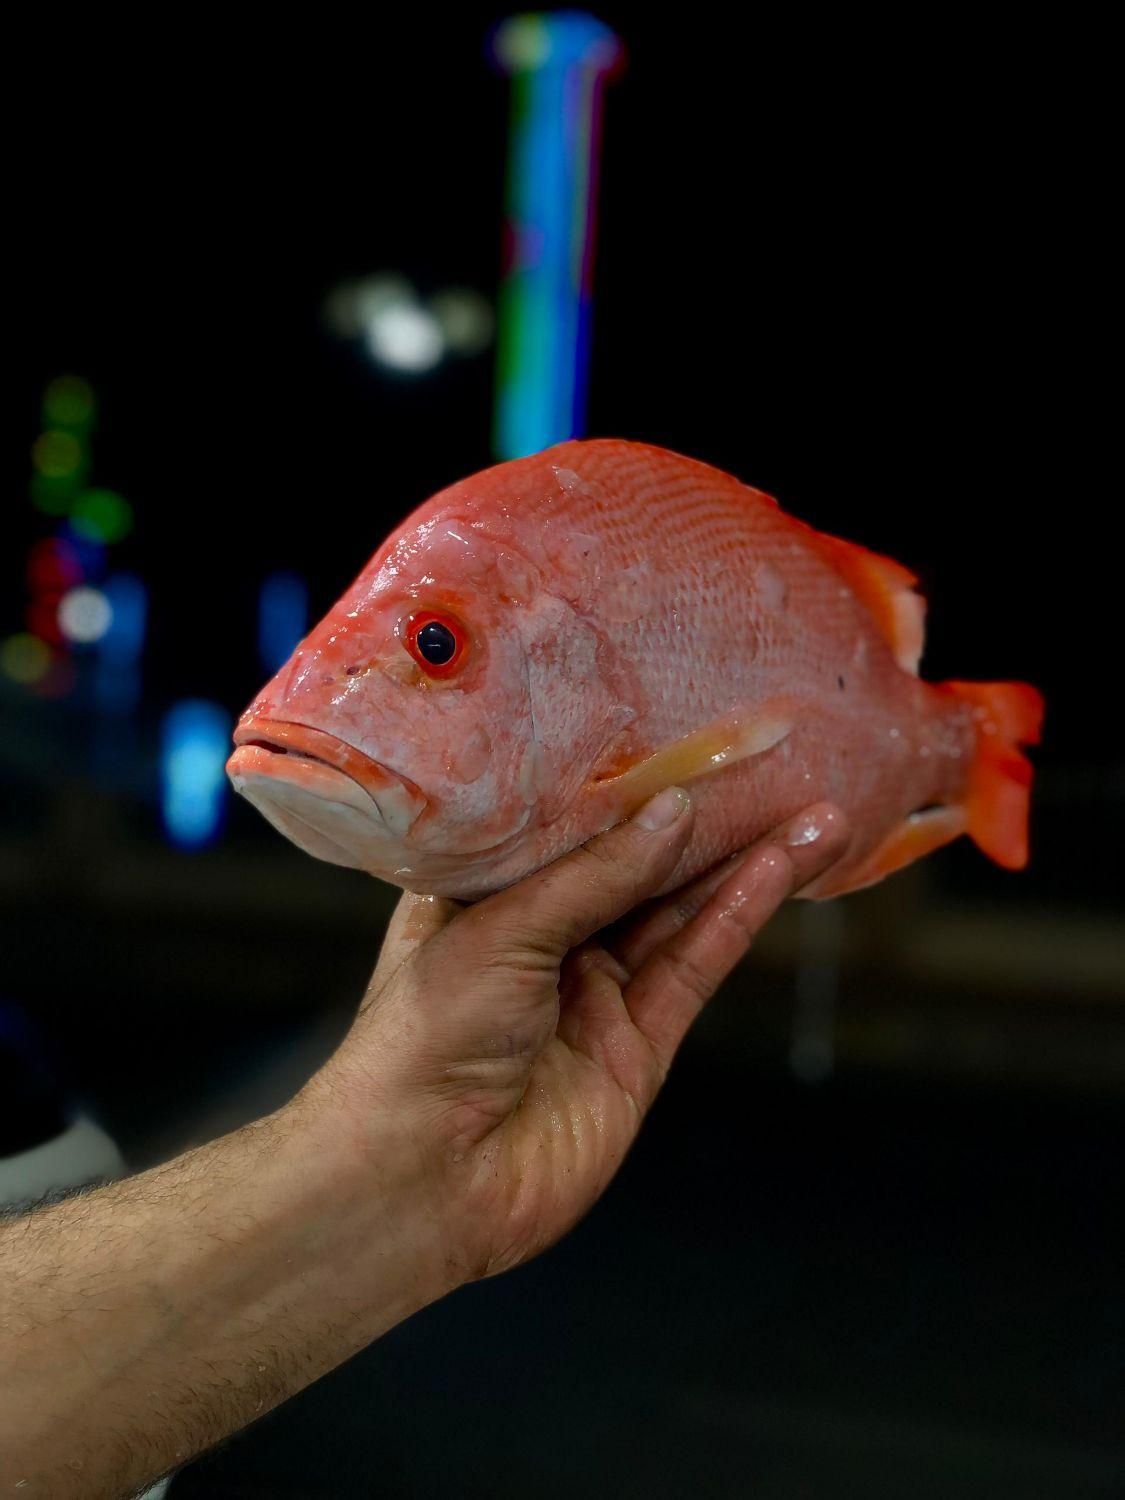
(439, 725)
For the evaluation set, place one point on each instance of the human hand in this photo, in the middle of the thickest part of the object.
(510, 1050)
(495, 1076)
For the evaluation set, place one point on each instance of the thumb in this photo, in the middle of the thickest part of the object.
(535, 924)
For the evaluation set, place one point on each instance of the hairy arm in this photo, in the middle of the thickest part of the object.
(143, 1322)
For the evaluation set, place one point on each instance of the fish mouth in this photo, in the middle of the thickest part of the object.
(324, 794)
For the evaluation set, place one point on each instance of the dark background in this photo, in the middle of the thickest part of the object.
(862, 269)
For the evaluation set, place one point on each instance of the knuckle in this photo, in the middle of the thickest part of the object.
(687, 973)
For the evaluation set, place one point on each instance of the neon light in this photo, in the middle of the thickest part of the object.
(283, 616)
(558, 63)
(193, 754)
(117, 672)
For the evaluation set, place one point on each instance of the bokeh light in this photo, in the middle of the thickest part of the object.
(53, 565)
(466, 319)
(523, 42)
(101, 516)
(69, 402)
(406, 337)
(57, 454)
(24, 658)
(117, 667)
(85, 614)
(42, 617)
(53, 494)
(283, 616)
(194, 748)
(351, 307)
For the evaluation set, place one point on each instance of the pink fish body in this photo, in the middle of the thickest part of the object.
(541, 646)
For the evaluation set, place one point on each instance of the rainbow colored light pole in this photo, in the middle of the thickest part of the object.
(558, 63)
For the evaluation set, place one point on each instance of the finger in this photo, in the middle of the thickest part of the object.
(819, 832)
(679, 977)
(414, 921)
(538, 921)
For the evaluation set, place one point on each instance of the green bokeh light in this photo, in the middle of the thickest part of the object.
(101, 516)
(24, 658)
(58, 454)
(69, 402)
(54, 494)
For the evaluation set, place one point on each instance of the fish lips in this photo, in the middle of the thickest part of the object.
(320, 791)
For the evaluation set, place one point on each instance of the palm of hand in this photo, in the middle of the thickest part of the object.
(528, 1051)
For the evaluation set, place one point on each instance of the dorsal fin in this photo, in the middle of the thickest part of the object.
(887, 590)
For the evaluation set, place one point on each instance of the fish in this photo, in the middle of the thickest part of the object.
(544, 645)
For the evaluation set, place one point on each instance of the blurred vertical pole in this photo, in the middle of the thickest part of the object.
(558, 63)
(193, 754)
(117, 669)
(116, 679)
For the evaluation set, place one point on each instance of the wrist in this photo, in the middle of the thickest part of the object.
(367, 1199)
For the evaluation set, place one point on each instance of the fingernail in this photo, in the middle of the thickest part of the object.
(804, 830)
(664, 809)
(809, 826)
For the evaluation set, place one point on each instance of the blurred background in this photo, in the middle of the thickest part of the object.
(271, 294)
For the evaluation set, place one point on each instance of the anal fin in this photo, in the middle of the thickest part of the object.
(919, 834)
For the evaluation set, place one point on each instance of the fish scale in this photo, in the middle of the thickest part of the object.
(622, 614)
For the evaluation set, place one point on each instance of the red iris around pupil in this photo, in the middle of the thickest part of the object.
(439, 651)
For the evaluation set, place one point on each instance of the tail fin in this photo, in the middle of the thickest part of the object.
(1008, 715)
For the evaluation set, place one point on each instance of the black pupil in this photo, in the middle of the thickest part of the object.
(437, 643)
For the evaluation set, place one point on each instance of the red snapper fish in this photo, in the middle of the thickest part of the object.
(540, 648)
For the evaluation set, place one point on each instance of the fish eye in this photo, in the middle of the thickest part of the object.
(437, 642)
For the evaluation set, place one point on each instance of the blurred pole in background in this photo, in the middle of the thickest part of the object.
(193, 783)
(117, 673)
(558, 64)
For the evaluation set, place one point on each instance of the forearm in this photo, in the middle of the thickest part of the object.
(142, 1323)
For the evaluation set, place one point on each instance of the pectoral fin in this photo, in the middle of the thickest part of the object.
(725, 742)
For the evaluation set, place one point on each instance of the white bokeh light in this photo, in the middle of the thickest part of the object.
(405, 336)
(85, 615)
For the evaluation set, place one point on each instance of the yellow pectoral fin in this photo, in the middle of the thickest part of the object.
(735, 737)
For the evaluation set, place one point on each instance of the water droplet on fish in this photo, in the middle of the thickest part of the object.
(567, 478)
(894, 733)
